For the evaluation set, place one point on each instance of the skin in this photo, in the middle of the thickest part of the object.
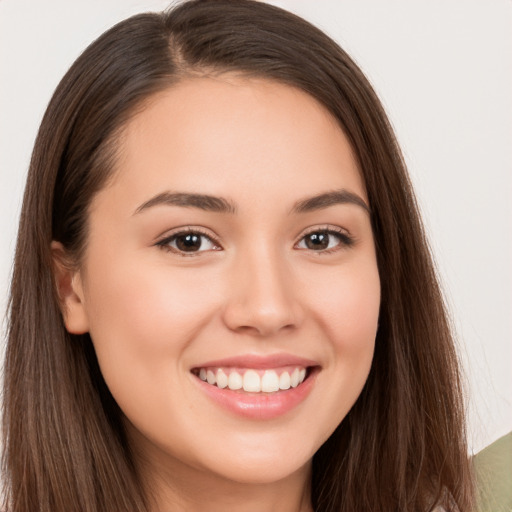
(258, 288)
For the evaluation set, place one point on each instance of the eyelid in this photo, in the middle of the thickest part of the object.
(187, 228)
(325, 227)
(346, 239)
(163, 240)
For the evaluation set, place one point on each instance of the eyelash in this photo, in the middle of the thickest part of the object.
(164, 243)
(345, 240)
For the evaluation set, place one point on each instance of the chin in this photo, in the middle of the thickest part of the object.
(263, 472)
(263, 461)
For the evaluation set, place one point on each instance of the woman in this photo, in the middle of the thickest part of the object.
(222, 295)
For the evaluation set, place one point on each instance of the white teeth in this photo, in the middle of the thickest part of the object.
(294, 378)
(284, 381)
(210, 377)
(222, 379)
(269, 382)
(252, 381)
(235, 381)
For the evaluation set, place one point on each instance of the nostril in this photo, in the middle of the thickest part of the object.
(262, 304)
(260, 324)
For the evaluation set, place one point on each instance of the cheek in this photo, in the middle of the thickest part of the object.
(146, 301)
(348, 311)
(142, 317)
(348, 307)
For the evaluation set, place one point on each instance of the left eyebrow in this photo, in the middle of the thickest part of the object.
(321, 201)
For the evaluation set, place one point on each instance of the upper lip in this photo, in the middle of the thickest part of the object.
(259, 361)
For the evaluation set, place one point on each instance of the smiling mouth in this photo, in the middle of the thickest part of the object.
(251, 380)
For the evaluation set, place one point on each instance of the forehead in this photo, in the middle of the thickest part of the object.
(231, 134)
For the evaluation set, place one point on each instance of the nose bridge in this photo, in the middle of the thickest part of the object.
(262, 296)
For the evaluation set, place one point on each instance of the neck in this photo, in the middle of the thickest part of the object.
(216, 495)
(174, 486)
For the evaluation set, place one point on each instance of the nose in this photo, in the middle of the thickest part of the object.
(262, 298)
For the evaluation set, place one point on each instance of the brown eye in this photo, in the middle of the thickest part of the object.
(324, 240)
(188, 242)
(317, 241)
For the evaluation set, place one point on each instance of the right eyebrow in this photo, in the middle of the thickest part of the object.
(201, 201)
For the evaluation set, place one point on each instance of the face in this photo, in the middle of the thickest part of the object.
(230, 283)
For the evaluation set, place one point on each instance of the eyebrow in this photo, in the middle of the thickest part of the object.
(221, 205)
(327, 199)
(201, 201)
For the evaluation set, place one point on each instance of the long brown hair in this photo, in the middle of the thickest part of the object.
(402, 446)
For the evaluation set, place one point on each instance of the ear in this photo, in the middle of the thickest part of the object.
(70, 290)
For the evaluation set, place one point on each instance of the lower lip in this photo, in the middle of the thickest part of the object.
(260, 406)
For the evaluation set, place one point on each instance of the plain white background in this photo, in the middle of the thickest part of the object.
(443, 69)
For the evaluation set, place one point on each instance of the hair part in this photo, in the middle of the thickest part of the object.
(402, 446)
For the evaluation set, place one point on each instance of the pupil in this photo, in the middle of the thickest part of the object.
(317, 241)
(188, 242)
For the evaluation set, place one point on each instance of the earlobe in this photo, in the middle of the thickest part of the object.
(70, 291)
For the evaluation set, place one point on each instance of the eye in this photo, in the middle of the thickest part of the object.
(188, 242)
(325, 240)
